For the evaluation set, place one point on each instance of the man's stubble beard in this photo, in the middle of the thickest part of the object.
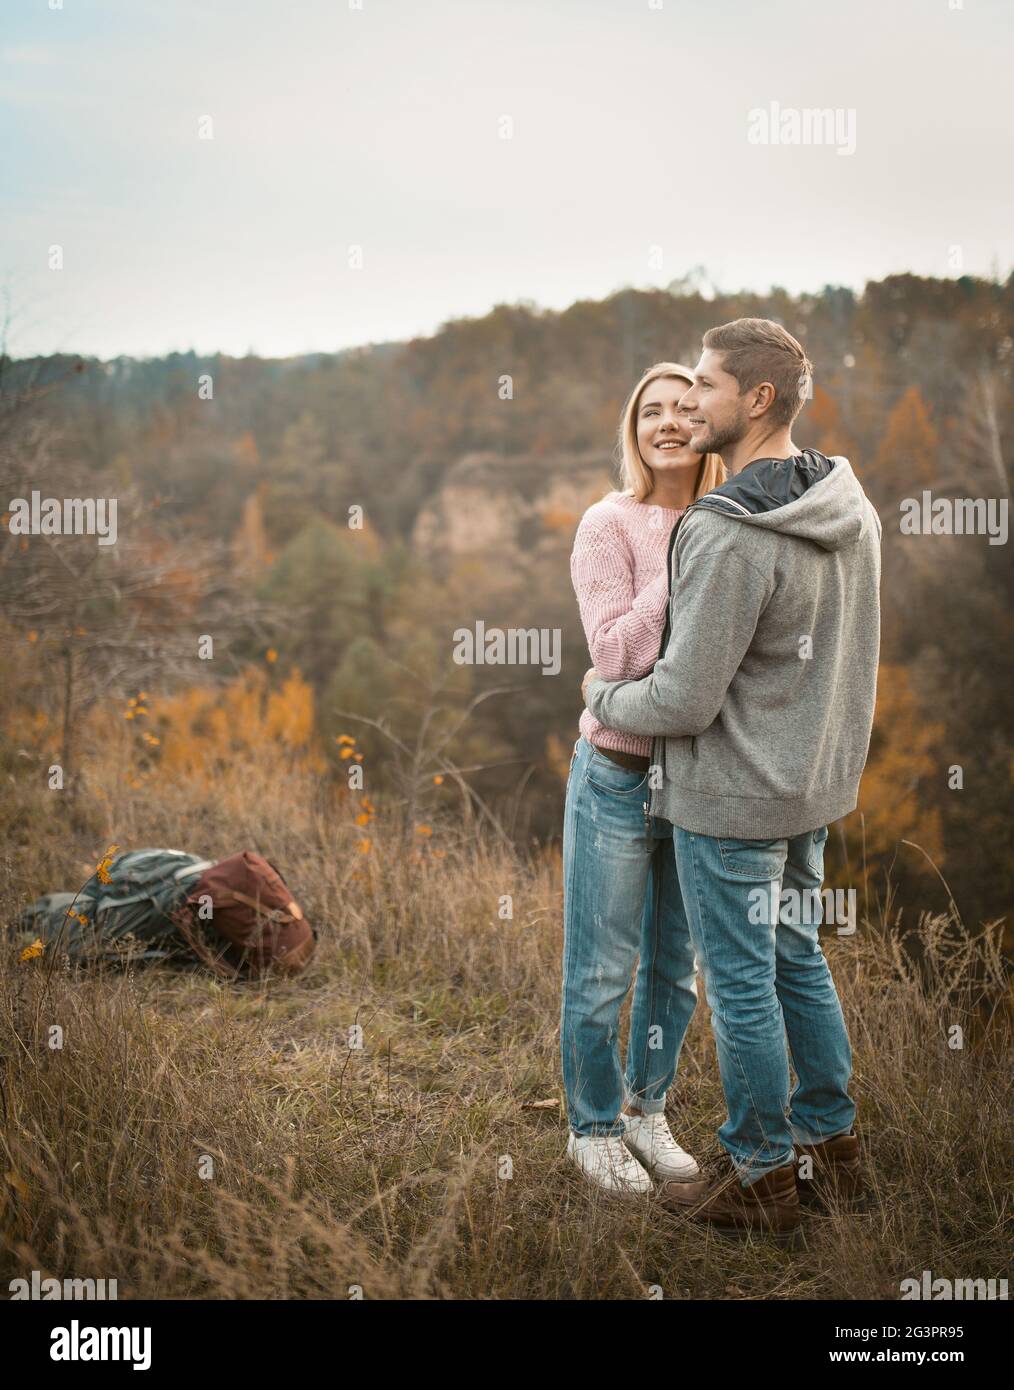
(719, 439)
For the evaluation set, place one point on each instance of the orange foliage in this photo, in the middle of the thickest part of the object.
(245, 451)
(201, 726)
(26, 727)
(907, 456)
(905, 758)
(250, 543)
(176, 591)
(560, 519)
(557, 755)
(822, 425)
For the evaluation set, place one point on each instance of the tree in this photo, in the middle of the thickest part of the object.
(905, 764)
(908, 456)
(250, 543)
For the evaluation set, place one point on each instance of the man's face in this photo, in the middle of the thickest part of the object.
(713, 407)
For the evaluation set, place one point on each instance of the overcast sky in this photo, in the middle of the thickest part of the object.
(633, 156)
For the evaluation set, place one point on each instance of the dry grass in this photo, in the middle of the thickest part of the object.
(378, 1167)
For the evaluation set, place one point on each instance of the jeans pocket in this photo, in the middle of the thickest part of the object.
(577, 745)
(606, 776)
(815, 854)
(762, 860)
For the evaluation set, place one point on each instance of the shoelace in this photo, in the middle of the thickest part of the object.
(661, 1135)
(620, 1157)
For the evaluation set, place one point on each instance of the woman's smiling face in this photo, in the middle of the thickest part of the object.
(663, 435)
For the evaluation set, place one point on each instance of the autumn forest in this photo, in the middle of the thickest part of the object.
(299, 539)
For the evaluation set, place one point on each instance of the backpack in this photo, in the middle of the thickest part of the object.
(154, 908)
(252, 908)
(146, 889)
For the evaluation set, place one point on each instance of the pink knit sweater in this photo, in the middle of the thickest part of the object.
(619, 575)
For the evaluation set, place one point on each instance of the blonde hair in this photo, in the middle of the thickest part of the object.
(636, 475)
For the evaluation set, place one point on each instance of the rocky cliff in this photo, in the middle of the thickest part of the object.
(511, 505)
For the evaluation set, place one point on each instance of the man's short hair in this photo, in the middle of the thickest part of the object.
(756, 350)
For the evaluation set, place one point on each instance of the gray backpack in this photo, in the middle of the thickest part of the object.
(135, 913)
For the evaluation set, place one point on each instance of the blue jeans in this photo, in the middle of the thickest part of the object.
(765, 977)
(621, 900)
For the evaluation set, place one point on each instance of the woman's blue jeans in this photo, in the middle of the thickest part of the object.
(621, 901)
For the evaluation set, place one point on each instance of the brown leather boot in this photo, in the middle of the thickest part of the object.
(836, 1171)
(769, 1206)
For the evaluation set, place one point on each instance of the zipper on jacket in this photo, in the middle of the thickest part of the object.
(668, 567)
(658, 740)
(649, 839)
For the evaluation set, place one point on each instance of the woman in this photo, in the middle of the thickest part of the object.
(621, 893)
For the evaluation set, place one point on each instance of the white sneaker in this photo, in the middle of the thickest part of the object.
(606, 1161)
(650, 1137)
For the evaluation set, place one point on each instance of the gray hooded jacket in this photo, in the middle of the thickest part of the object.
(761, 702)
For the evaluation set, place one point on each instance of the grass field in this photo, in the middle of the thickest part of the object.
(198, 1138)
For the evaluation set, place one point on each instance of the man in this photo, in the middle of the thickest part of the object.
(762, 707)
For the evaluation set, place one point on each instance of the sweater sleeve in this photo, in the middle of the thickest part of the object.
(623, 628)
(717, 601)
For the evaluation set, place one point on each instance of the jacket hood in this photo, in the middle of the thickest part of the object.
(811, 495)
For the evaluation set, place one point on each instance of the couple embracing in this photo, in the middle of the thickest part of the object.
(730, 597)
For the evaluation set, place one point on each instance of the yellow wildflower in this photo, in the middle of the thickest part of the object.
(30, 952)
(102, 868)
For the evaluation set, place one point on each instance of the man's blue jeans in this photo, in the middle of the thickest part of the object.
(621, 900)
(765, 977)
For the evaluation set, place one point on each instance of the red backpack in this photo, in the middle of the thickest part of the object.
(253, 910)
